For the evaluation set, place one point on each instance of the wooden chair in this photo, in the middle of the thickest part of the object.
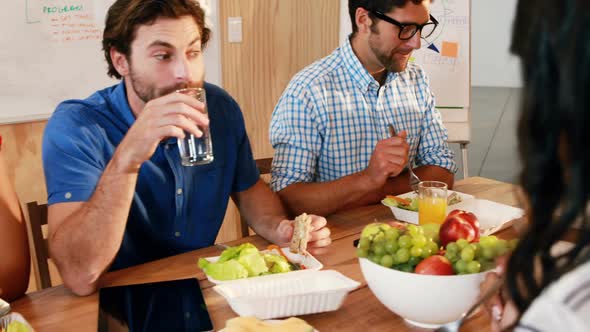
(38, 218)
(264, 166)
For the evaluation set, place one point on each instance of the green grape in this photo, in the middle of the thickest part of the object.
(431, 231)
(414, 261)
(460, 266)
(374, 258)
(501, 247)
(462, 243)
(488, 253)
(487, 265)
(419, 240)
(416, 251)
(365, 243)
(476, 250)
(406, 268)
(453, 247)
(362, 252)
(512, 244)
(488, 241)
(415, 230)
(453, 257)
(433, 246)
(379, 237)
(473, 267)
(426, 252)
(405, 241)
(391, 246)
(392, 234)
(467, 254)
(402, 255)
(378, 248)
(386, 261)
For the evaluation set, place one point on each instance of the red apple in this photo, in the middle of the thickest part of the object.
(470, 217)
(435, 265)
(459, 225)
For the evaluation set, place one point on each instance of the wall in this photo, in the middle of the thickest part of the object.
(279, 39)
(492, 64)
(212, 52)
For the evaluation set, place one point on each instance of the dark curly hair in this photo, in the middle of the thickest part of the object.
(125, 16)
(552, 38)
(384, 6)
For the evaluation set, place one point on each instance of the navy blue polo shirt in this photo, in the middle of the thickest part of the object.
(175, 208)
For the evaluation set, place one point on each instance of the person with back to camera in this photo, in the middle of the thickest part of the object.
(544, 292)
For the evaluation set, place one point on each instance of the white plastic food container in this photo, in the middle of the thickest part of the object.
(310, 263)
(412, 216)
(287, 294)
(5, 320)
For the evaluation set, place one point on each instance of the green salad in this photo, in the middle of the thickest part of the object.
(411, 203)
(246, 261)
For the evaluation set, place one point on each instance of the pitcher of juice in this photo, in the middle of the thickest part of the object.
(432, 202)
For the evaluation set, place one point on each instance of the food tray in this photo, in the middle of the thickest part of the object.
(287, 294)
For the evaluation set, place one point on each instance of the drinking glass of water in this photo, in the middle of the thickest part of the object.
(196, 150)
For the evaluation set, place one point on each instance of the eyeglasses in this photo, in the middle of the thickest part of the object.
(408, 30)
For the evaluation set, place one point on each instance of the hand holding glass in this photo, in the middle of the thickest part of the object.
(196, 150)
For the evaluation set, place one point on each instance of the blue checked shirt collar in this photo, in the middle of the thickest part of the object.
(358, 72)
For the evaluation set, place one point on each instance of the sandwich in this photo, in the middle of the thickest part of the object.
(301, 229)
(253, 324)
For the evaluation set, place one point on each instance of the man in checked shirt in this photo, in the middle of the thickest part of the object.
(329, 129)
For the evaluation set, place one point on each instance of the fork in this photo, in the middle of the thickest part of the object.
(455, 325)
(414, 179)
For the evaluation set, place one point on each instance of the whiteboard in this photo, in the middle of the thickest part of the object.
(445, 56)
(446, 60)
(52, 52)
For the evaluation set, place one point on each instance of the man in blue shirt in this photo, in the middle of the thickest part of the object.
(118, 193)
(333, 148)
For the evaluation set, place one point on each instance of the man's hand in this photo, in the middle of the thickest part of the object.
(319, 234)
(389, 159)
(167, 116)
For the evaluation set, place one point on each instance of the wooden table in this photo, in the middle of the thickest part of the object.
(57, 309)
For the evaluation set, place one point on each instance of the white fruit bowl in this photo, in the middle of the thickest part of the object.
(423, 300)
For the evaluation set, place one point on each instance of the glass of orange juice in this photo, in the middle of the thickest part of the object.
(432, 202)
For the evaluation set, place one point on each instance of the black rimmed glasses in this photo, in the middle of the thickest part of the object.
(408, 30)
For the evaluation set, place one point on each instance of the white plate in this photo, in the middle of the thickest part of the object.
(4, 307)
(492, 216)
(287, 294)
(412, 216)
(310, 262)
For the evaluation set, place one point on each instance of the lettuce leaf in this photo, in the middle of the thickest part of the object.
(276, 263)
(228, 270)
(254, 263)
